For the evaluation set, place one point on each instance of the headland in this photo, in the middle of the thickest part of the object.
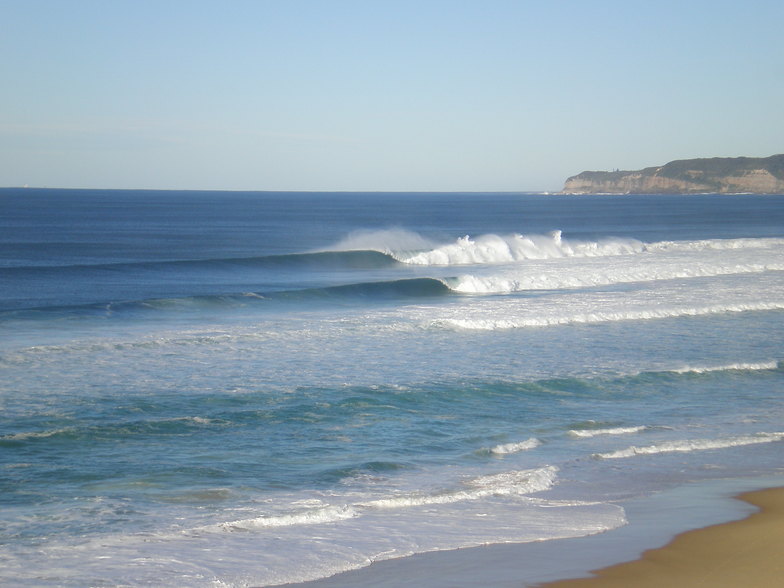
(719, 175)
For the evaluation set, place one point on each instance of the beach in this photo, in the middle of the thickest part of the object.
(740, 553)
(703, 535)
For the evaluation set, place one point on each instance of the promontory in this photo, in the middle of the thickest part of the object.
(717, 175)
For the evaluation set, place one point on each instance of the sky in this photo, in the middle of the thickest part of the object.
(380, 95)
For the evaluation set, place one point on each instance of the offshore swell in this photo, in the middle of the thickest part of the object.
(277, 396)
(642, 262)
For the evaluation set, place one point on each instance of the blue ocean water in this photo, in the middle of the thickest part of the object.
(247, 389)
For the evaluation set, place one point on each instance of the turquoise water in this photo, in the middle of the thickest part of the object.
(205, 388)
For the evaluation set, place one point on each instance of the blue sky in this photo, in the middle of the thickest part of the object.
(485, 95)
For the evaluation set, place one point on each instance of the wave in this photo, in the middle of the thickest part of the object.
(387, 248)
(28, 435)
(716, 244)
(587, 433)
(505, 249)
(500, 249)
(600, 317)
(511, 483)
(120, 430)
(315, 516)
(406, 287)
(348, 259)
(691, 445)
(587, 277)
(507, 448)
(521, 482)
(766, 365)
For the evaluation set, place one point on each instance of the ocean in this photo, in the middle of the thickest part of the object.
(258, 388)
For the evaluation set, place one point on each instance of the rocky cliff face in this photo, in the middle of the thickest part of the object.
(717, 175)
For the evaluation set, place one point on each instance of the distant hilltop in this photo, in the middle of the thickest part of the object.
(722, 175)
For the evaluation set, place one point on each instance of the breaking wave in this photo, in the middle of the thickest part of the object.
(496, 249)
(766, 365)
(690, 445)
(511, 483)
(500, 249)
(587, 433)
(507, 448)
(600, 317)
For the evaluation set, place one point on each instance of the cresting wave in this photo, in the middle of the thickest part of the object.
(767, 365)
(586, 277)
(497, 249)
(587, 433)
(511, 483)
(552, 263)
(507, 448)
(689, 445)
(600, 317)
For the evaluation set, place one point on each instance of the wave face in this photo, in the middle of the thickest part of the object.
(253, 389)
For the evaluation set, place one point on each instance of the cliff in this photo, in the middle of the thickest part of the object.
(721, 175)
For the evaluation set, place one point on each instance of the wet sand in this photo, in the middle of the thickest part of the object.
(749, 552)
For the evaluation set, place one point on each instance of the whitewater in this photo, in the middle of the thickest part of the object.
(254, 389)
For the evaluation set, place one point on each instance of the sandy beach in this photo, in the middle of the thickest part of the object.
(749, 552)
(702, 537)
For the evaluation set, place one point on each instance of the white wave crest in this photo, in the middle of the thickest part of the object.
(515, 447)
(520, 483)
(767, 365)
(512, 483)
(690, 445)
(505, 249)
(587, 433)
(601, 317)
(585, 277)
(715, 244)
(316, 516)
(35, 434)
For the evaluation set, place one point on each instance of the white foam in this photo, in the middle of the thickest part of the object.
(516, 447)
(504, 484)
(519, 280)
(505, 249)
(690, 445)
(715, 244)
(316, 516)
(587, 433)
(495, 249)
(768, 365)
(600, 316)
(35, 434)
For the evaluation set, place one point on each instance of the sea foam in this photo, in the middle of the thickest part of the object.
(516, 447)
(600, 316)
(689, 445)
(493, 249)
(587, 433)
(767, 365)
(505, 249)
(519, 483)
(316, 516)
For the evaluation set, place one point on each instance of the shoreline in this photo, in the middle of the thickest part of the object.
(747, 552)
(654, 522)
